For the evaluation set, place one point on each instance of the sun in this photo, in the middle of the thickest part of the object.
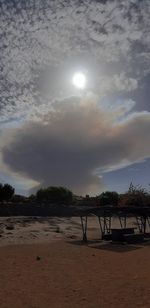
(79, 80)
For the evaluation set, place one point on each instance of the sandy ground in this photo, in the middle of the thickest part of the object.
(68, 275)
(28, 230)
(63, 273)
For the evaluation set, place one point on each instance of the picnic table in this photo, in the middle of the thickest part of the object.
(118, 234)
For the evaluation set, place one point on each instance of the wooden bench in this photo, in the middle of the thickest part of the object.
(134, 238)
(147, 235)
(118, 234)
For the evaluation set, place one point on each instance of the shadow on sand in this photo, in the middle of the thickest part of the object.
(115, 247)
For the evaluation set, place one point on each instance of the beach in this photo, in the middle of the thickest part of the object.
(62, 272)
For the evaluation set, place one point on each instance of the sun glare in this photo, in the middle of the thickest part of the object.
(79, 80)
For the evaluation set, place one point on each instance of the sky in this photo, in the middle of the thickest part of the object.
(87, 139)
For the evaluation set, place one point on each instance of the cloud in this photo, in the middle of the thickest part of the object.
(116, 83)
(75, 143)
(67, 139)
(50, 34)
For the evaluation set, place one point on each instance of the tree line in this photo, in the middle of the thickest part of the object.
(135, 196)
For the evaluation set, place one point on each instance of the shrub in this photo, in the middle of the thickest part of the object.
(6, 192)
(54, 194)
(135, 196)
(109, 198)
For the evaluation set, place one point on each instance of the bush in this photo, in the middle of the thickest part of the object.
(109, 198)
(6, 192)
(135, 196)
(54, 194)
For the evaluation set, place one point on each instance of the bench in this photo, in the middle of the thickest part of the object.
(118, 234)
(133, 238)
(147, 235)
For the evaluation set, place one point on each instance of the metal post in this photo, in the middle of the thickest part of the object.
(123, 221)
(105, 225)
(144, 224)
(148, 221)
(100, 224)
(84, 228)
(141, 222)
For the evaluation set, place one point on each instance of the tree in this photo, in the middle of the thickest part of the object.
(109, 198)
(32, 198)
(135, 196)
(54, 194)
(1, 192)
(6, 192)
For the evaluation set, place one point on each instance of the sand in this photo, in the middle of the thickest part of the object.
(28, 230)
(63, 273)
